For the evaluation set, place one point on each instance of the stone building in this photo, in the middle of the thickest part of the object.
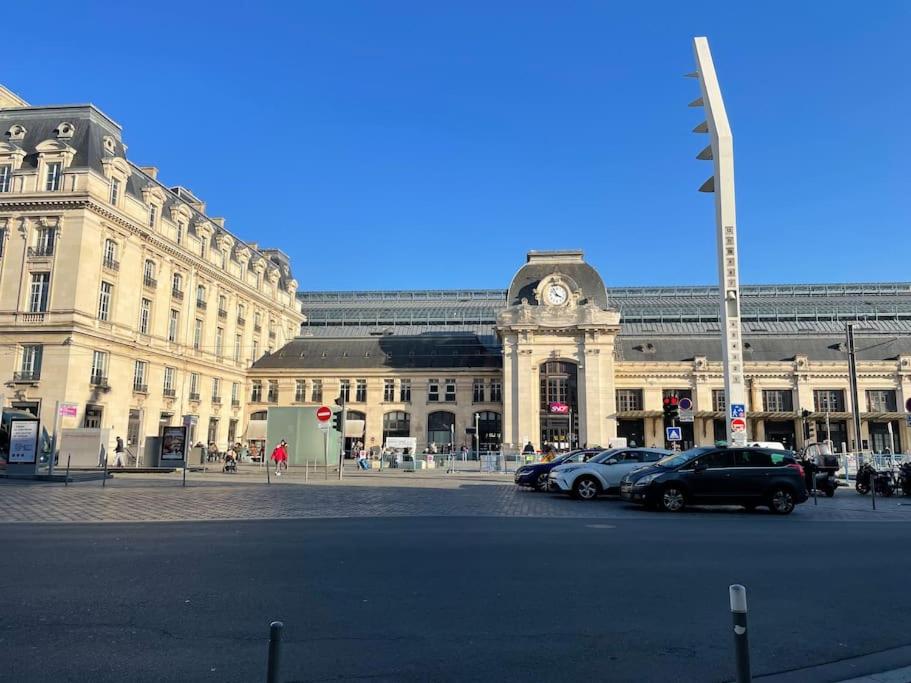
(430, 364)
(118, 293)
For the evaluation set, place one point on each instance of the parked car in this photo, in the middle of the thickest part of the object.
(535, 474)
(602, 474)
(719, 476)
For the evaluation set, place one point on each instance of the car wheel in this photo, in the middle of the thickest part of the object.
(861, 488)
(586, 488)
(830, 493)
(781, 501)
(541, 482)
(673, 499)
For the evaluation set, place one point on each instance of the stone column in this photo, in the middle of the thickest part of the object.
(510, 393)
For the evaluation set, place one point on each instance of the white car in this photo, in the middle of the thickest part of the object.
(602, 474)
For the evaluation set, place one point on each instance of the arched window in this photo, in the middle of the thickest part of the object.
(177, 283)
(110, 251)
(490, 428)
(148, 270)
(200, 293)
(259, 415)
(440, 427)
(396, 423)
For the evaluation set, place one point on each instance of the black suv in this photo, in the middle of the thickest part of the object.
(719, 476)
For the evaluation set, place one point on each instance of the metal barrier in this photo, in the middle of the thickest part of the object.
(848, 463)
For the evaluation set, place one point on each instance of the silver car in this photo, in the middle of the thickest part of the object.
(602, 474)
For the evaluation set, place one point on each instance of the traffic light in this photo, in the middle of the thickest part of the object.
(671, 408)
(337, 415)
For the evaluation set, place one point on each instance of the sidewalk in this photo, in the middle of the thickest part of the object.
(877, 667)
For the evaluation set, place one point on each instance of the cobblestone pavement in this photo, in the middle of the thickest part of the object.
(161, 498)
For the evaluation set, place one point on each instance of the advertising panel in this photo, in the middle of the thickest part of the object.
(23, 441)
(173, 443)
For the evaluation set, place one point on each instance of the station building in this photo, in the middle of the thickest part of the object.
(431, 364)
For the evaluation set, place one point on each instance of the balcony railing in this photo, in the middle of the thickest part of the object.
(272, 398)
(223, 314)
(30, 376)
(32, 318)
(140, 388)
(235, 403)
(241, 321)
(216, 400)
(194, 396)
(169, 393)
(177, 294)
(149, 282)
(200, 304)
(111, 264)
(256, 398)
(98, 380)
(257, 328)
(37, 252)
(272, 336)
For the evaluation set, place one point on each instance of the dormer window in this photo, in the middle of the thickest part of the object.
(180, 229)
(16, 132)
(153, 215)
(52, 178)
(109, 145)
(65, 131)
(6, 177)
(115, 191)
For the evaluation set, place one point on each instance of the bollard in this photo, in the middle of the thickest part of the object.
(275, 651)
(104, 479)
(738, 595)
(268, 476)
(306, 470)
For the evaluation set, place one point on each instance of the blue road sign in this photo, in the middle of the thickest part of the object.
(673, 434)
(738, 410)
(685, 403)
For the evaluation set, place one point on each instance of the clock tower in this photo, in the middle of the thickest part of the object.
(558, 333)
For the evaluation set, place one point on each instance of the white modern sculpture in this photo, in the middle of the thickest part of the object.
(721, 152)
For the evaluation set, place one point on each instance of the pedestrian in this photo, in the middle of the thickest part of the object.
(118, 453)
(213, 452)
(243, 453)
(280, 456)
(529, 449)
(362, 461)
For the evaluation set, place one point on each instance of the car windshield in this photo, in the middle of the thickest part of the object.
(572, 456)
(677, 459)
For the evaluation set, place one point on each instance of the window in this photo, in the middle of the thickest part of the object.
(216, 390)
(440, 428)
(273, 391)
(153, 215)
(145, 315)
(241, 314)
(255, 349)
(219, 339)
(360, 391)
(629, 399)
(300, 390)
(752, 459)
(45, 239)
(110, 254)
(316, 391)
(829, 400)
(115, 191)
(496, 391)
(168, 381)
(93, 415)
(197, 334)
(714, 460)
(777, 400)
(257, 321)
(397, 423)
(881, 400)
(2, 239)
(173, 325)
(30, 369)
(224, 260)
(433, 390)
(194, 386)
(148, 273)
(235, 394)
(139, 376)
(52, 182)
(719, 400)
(344, 389)
(477, 391)
(222, 305)
(6, 179)
(238, 343)
(450, 390)
(405, 391)
(388, 390)
(104, 300)
(200, 296)
(38, 292)
(177, 284)
(180, 230)
(256, 391)
(99, 368)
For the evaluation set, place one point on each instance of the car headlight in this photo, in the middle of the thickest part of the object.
(568, 469)
(523, 470)
(646, 480)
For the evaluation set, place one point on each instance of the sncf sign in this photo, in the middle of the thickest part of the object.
(559, 408)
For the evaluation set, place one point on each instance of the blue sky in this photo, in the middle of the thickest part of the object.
(397, 145)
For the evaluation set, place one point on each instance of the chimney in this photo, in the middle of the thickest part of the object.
(220, 222)
(150, 171)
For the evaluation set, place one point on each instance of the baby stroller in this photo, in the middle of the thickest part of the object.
(230, 464)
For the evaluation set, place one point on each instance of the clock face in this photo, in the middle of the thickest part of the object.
(556, 294)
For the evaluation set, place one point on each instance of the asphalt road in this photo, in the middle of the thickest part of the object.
(446, 599)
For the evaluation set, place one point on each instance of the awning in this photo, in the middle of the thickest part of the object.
(354, 429)
(256, 430)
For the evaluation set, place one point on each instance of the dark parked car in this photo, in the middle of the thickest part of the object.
(535, 474)
(719, 476)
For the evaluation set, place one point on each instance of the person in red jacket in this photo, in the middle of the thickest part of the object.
(280, 456)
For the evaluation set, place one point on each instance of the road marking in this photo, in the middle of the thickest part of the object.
(600, 526)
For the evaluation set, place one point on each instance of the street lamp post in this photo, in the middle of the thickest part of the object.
(721, 152)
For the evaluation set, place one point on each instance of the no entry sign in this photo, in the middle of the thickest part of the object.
(323, 413)
(738, 424)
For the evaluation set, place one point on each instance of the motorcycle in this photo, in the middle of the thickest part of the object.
(883, 481)
(904, 478)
